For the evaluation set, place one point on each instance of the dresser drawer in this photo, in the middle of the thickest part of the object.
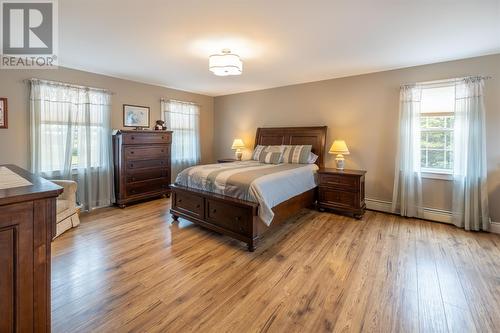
(188, 204)
(147, 153)
(337, 197)
(341, 181)
(227, 216)
(148, 186)
(147, 138)
(147, 174)
(132, 165)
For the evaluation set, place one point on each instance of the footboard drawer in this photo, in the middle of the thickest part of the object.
(188, 204)
(227, 216)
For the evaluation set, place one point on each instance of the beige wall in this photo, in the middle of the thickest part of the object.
(14, 141)
(363, 110)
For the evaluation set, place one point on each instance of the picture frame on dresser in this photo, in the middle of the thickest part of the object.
(136, 116)
(3, 113)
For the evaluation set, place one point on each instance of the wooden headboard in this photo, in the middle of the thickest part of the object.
(315, 136)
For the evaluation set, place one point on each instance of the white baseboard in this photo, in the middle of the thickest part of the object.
(495, 227)
(431, 214)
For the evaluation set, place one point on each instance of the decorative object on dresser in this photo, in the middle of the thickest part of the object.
(27, 225)
(339, 148)
(226, 160)
(342, 191)
(160, 126)
(238, 145)
(141, 164)
(135, 116)
(238, 218)
(3, 113)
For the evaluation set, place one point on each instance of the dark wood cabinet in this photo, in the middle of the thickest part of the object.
(141, 165)
(27, 225)
(342, 191)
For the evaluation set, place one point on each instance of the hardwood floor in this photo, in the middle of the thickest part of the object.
(134, 270)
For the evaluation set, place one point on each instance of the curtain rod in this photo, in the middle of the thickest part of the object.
(67, 84)
(447, 80)
(179, 101)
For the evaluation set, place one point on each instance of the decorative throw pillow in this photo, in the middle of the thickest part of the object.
(275, 149)
(257, 152)
(298, 154)
(270, 157)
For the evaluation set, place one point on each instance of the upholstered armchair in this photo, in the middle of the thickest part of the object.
(67, 211)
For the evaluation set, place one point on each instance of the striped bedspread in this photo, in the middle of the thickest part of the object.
(266, 184)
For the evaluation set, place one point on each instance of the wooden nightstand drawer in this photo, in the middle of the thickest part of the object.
(338, 181)
(337, 197)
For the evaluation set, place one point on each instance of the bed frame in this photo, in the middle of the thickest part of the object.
(239, 218)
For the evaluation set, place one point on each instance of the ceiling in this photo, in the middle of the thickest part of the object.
(281, 42)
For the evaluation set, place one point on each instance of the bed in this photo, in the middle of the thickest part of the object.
(248, 217)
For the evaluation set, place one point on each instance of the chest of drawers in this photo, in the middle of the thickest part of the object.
(342, 191)
(141, 165)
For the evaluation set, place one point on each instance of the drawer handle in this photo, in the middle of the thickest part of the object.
(162, 150)
(214, 211)
(161, 162)
(197, 206)
(162, 137)
(179, 201)
(131, 152)
(132, 137)
(238, 218)
(132, 165)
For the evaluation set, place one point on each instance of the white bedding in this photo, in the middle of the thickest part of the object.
(269, 185)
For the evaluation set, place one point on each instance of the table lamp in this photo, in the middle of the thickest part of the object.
(340, 148)
(238, 145)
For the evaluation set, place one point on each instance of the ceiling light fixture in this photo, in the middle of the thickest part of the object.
(225, 64)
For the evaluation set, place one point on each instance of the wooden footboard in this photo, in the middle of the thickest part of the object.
(229, 216)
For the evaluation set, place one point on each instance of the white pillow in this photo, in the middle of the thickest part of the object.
(312, 158)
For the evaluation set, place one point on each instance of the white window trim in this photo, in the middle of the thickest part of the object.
(436, 174)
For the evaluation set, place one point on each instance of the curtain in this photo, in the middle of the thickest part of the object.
(183, 119)
(470, 194)
(407, 193)
(71, 139)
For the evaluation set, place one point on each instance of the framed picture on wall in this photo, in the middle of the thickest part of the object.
(3, 113)
(135, 116)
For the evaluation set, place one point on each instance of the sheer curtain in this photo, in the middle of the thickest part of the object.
(470, 193)
(71, 139)
(184, 119)
(407, 193)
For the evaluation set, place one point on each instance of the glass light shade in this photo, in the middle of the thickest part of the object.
(339, 147)
(225, 64)
(238, 144)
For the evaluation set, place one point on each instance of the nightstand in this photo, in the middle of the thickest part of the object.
(342, 191)
(226, 160)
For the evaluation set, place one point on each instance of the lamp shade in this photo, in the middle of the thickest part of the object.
(339, 147)
(238, 144)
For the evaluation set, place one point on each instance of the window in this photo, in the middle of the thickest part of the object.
(436, 129)
(71, 138)
(80, 127)
(183, 119)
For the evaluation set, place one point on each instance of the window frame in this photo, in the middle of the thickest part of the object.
(432, 173)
